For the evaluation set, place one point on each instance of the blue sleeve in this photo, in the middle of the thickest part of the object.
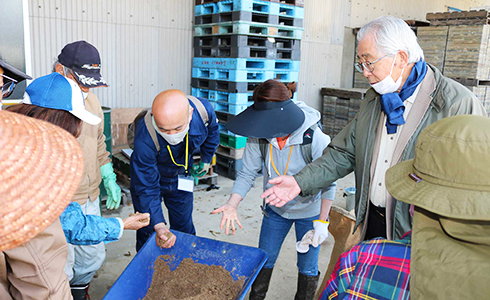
(145, 176)
(208, 148)
(82, 229)
(320, 143)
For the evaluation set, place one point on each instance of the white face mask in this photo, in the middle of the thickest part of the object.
(172, 139)
(388, 85)
(85, 95)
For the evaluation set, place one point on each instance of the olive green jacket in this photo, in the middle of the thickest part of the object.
(352, 149)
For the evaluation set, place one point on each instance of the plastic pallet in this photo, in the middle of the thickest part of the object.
(233, 98)
(236, 142)
(245, 63)
(248, 16)
(235, 52)
(300, 3)
(226, 86)
(244, 75)
(199, 2)
(269, 52)
(223, 117)
(204, 93)
(244, 46)
(222, 128)
(257, 6)
(234, 109)
(249, 28)
(235, 40)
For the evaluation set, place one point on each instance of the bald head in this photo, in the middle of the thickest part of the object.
(171, 111)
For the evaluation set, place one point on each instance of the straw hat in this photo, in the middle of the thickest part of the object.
(451, 169)
(40, 169)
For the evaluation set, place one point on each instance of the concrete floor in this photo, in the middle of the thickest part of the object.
(283, 282)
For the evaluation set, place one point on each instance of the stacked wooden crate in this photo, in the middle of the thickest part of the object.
(340, 106)
(457, 43)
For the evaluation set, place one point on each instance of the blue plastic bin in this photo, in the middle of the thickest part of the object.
(240, 261)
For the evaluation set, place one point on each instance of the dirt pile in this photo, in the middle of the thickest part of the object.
(192, 281)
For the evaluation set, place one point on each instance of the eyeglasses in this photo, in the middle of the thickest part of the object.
(8, 85)
(367, 65)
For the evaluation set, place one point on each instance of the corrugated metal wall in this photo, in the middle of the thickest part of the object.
(145, 45)
(321, 47)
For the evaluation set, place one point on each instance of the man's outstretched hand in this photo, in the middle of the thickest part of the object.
(284, 190)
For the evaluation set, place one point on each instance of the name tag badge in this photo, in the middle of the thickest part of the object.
(185, 183)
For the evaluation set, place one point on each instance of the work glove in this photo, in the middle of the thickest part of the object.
(320, 233)
(201, 169)
(304, 245)
(113, 190)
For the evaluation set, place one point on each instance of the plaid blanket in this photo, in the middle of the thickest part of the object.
(375, 269)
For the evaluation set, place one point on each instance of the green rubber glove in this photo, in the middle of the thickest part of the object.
(196, 179)
(113, 190)
(200, 169)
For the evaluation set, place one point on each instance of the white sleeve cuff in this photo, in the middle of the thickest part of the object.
(122, 227)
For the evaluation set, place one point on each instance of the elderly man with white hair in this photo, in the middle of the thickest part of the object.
(406, 95)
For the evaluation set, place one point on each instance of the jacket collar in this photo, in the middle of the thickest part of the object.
(438, 97)
(428, 86)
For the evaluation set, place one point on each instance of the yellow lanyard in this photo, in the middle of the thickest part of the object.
(186, 154)
(287, 165)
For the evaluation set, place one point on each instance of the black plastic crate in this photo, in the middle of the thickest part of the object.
(228, 166)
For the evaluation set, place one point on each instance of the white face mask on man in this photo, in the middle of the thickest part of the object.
(388, 85)
(176, 138)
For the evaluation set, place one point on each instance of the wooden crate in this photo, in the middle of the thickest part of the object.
(480, 17)
(340, 106)
(360, 81)
(433, 40)
(467, 52)
(483, 94)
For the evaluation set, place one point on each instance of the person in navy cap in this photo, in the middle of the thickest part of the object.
(80, 61)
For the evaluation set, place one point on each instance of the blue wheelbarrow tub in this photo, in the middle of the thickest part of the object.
(241, 261)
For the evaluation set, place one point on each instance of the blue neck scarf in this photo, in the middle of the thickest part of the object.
(392, 103)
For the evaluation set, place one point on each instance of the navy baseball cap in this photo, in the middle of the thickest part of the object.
(58, 92)
(84, 60)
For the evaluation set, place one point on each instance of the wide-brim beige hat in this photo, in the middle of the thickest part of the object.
(450, 174)
(40, 169)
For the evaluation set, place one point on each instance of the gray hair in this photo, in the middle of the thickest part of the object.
(392, 35)
(66, 70)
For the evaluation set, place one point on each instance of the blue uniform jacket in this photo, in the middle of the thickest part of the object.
(154, 174)
(82, 229)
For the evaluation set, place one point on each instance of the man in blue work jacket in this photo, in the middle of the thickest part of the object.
(183, 126)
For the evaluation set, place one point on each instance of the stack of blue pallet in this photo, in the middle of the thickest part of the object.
(239, 44)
